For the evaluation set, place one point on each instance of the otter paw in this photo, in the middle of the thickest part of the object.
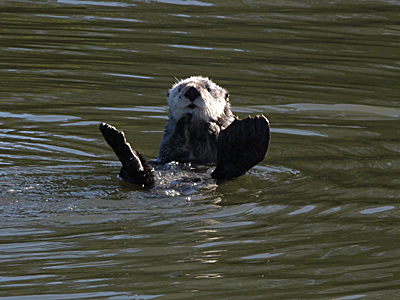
(184, 120)
(182, 126)
(135, 168)
(241, 146)
(116, 140)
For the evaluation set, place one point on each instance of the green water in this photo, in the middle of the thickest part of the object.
(317, 219)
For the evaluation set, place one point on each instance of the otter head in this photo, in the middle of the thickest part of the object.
(200, 97)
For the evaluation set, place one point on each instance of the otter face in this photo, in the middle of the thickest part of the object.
(200, 97)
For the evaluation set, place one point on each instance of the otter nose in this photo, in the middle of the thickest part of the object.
(192, 94)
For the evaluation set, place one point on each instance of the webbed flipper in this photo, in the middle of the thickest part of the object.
(134, 166)
(242, 145)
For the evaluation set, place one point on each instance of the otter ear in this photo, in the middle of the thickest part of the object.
(226, 96)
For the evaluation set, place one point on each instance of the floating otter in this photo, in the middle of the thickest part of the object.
(201, 129)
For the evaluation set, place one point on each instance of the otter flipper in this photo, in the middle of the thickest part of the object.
(134, 166)
(241, 146)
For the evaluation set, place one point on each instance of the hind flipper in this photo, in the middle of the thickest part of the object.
(241, 146)
(134, 166)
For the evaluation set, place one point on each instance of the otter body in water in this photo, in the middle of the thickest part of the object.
(201, 129)
(198, 110)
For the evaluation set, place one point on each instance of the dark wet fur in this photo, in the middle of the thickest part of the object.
(241, 146)
(135, 168)
(190, 141)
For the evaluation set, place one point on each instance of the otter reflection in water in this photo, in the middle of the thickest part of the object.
(201, 129)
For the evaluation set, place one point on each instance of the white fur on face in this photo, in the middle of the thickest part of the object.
(210, 104)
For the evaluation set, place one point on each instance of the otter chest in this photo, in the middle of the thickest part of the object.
(202, 146)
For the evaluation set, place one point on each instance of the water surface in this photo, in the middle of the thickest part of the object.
(317, 219)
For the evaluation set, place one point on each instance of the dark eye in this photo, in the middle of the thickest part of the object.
(226, 96)
(167, 95)
(208, 89)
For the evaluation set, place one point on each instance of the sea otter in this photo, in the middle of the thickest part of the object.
(201, 129)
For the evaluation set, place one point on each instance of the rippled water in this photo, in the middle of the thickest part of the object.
(317, 219)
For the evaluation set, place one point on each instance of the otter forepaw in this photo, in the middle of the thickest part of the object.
(184, 120)
(182, 127)
(241, 146)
